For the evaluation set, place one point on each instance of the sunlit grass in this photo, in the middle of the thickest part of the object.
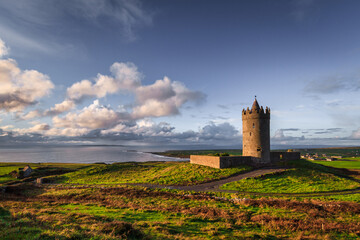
(168, 173)
(293, 181)
(351, 163)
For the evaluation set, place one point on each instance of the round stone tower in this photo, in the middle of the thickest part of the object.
(256, 132)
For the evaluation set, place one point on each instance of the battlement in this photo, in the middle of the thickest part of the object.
(256, 113)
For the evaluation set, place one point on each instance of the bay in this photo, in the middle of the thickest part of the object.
(76, 154)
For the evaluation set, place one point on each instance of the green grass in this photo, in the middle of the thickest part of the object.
(307, 177)
(41, 169)
(16, 165)
(61, 212)
(165, 173)
(134, 212)
(352, 163)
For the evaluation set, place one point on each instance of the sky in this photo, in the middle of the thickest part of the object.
(177, 74)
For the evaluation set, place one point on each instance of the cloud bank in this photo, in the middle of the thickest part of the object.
(162, 98)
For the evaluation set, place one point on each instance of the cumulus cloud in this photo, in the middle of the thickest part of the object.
(280, 137)
(145, 131)
(4, 50)
(31, 115)
(150, 132)
(91, 117)
(19, 88)
(125, 77)
(222, 131)
(64, 106)
(163, 98)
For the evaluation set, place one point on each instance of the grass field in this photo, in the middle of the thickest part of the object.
(348, 163)
(6, 168)
(168, 173)
(137, 213)
(94, 211)
(293, 181)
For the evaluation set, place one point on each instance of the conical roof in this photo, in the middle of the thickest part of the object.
(255, 105)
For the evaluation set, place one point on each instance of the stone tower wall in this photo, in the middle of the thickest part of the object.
(256, 133)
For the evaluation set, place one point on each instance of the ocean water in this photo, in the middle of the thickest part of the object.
(76, 154)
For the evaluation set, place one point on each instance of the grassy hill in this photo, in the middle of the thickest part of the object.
(166, 173)
(104, 207)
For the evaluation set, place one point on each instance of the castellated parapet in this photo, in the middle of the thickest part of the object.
(256, 132)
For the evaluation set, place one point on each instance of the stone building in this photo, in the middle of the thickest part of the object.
(256, 143)
(256, 132)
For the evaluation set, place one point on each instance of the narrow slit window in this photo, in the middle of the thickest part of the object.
(250, 133)
(253, 125)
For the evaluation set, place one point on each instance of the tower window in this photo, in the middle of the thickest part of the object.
(253, 125)
(258, 149)
(250, 133)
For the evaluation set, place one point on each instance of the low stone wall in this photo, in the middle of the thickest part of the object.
(211, 161)
(233, 161)
(224, 162)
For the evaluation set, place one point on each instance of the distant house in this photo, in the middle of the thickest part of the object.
(22, 172)
(27, 170)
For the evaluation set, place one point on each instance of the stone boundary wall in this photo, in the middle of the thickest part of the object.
(233, 161)
(224, 162)
(211, 161)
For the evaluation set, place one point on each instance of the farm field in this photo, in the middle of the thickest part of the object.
(98, 201)
(344, 163)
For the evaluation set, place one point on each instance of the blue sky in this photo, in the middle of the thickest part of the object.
(178, 73)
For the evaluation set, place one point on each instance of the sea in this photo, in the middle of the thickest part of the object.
(77, 154)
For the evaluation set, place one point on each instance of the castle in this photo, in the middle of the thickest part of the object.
(256, 143)
(256, 132)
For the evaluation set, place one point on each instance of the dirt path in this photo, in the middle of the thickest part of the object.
(214, 186)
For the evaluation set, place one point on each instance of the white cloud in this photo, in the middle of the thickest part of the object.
(91, 117)
(64, 106)
(4, 50)
(19, 88)
(222, 131)
(155, 108)
(126, 77)
(126, 74)
(67, 132)
(160, 90)
(163, 98)
(31, 115)
(7, 127)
